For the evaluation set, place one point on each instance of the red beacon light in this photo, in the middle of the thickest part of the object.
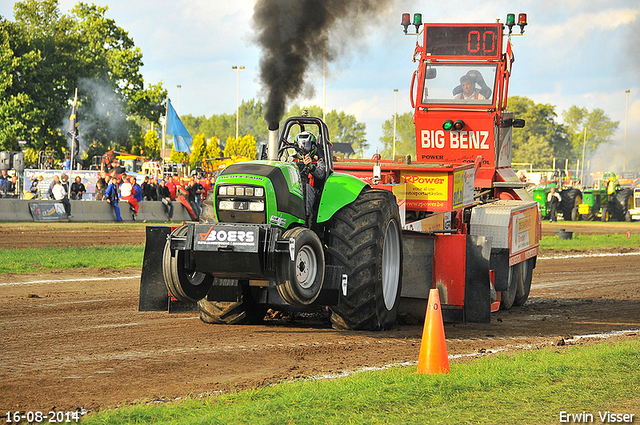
(522, 21)
(406, 21)
(511, 22)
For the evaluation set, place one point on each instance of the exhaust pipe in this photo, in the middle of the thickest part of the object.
(273, 142)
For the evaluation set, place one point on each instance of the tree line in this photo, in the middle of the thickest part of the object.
(46, 55)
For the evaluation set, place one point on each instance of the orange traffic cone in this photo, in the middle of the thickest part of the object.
(433, 350)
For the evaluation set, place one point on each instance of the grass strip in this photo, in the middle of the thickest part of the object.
(530, 387)
(118, 257)
(13, 260)
(33, 260)
(591, 241)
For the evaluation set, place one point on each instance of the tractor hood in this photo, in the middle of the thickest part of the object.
(281, 181)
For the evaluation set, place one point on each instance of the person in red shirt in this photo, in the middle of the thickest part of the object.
(127, 193)
(172, 187)
(206, 185)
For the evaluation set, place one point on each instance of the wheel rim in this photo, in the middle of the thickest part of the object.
(390, 264)
(306, 267)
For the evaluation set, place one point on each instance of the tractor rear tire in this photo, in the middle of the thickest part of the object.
(621, 205)
(365, 238)
(606, 214)
(243, 311)
(571, 199)
(301, 272)
(183, 283)
(524, 283)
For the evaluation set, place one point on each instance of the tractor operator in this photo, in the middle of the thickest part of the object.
(313, 161)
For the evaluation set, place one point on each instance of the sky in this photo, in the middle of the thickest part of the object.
(573, 52)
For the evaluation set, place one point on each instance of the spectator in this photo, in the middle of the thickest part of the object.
(126, 194)
(154, 189)
(137, 190)
(56, 179)
(3, 178)
(195, 193)
(99, 190)
(111, 196)
(103, 179)
(34, 186)
(205, 182)
(116, 168)
(197, 190)
(172, 187)
(165, 196)
(59, 194)
(183, 196)
(10, 187)
(146, 189)
(77, 189)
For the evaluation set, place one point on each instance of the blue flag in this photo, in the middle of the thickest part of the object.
(182, 139)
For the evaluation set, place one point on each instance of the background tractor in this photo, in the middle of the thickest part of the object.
(607, 200)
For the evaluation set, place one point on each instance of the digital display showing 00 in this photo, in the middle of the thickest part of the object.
(473, 40)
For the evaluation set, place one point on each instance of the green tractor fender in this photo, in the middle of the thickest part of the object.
(340, 189)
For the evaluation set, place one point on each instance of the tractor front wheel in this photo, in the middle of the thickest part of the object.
(182, 281)
(301, 272)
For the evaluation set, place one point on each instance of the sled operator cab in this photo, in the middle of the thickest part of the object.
(459, 95)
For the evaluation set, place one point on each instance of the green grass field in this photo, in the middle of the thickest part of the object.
(529, 387)
(119, 257)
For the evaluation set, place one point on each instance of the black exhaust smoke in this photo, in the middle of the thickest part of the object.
(293, 35)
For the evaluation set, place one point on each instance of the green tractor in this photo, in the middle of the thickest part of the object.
(607, 200)
(571, 200)
(258, 248)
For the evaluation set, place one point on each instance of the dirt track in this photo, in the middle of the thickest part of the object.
(74, 339)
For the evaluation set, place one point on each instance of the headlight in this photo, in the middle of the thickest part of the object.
(256, 206)
(226, 205)
(259, 191)
(222, 190)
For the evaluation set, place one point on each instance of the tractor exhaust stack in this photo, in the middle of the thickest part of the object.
(273, 142)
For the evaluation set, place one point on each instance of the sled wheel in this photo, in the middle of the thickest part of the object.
(365, 239)
(300, 272)
(182, 281)
(508, 296)
(524, 283)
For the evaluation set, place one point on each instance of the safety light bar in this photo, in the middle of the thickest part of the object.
(406, 21)
(450, 125)
(511, 22)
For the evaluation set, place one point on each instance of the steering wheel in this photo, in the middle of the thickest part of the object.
(299, 153)
(286, 146)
